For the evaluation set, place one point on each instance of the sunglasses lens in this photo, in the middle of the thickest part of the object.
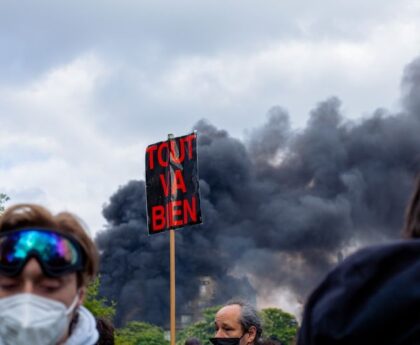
(56, 252)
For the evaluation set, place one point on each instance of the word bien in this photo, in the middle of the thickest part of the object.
(174, 214)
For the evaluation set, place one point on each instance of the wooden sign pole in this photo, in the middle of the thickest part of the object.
(173, 198)
(172, 263)
(172, 260)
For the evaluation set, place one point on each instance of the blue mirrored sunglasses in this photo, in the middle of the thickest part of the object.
(57, 253)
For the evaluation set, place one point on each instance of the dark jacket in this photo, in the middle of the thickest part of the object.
(106, 331)
(372, 298)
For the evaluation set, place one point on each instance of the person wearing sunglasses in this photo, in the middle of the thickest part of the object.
(46, 263)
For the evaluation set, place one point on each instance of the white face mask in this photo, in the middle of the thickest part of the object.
(30, 319)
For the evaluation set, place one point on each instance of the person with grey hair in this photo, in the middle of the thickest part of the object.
(237, 323)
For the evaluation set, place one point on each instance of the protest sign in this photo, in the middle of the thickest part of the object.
(173, 199)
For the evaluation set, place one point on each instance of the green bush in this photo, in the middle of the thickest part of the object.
(99, 307)
(140, 333)
(279, 324)
(202, 330)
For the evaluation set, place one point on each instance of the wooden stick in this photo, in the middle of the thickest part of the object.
(172, 259)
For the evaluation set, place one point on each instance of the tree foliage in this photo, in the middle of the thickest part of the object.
(279, 324)
(98, 306)
(3, 199)
(202, 330)
(136, 333)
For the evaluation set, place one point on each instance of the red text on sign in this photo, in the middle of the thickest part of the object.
(174, 214)
(159, 153)
(177, 184)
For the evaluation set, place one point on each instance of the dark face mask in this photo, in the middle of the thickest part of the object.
(225, 341)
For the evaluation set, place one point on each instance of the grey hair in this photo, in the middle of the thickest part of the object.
(249, 317)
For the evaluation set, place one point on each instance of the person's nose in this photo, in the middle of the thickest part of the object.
(30, 272)
(28, 287)
(220, 334)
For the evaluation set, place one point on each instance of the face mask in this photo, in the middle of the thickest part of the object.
(226, 341)
(30, 319)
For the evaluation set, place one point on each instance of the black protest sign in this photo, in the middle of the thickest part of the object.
(173, 199)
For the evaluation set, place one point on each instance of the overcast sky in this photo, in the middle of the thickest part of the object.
(85, 86)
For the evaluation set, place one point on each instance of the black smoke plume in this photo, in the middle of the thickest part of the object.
(279, 208)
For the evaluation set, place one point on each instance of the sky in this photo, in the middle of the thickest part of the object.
(85, 86)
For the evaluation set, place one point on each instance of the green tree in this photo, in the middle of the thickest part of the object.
(140, 333)
(98, 306)
(202, 330)
(280, 324)
(3, 199)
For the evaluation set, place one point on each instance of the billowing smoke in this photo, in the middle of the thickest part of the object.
(279, 209)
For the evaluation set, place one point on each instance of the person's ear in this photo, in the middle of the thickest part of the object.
(252, 334)
(82, 295)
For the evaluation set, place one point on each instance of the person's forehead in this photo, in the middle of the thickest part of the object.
(229, 313)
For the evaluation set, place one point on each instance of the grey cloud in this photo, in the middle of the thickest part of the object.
(411, 87)
(139, 42)
(35, 35)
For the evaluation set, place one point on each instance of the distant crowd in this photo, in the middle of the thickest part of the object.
(47, 262)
